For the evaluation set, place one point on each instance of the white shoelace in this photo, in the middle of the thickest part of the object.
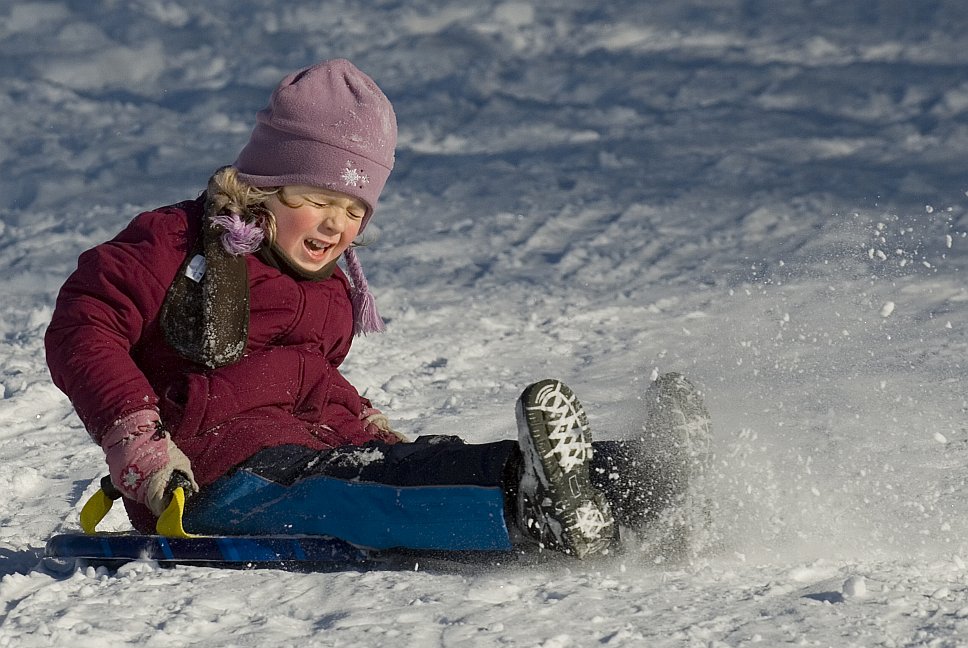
(566, 434)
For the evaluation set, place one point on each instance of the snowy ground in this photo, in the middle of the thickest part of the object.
(767, 196)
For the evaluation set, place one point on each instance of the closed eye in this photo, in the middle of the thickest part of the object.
(352, 213)
(352, 208)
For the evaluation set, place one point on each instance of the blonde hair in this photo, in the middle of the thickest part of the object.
(226, 193)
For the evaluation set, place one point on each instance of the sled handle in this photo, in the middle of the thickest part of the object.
(170, 523)
(98, 505)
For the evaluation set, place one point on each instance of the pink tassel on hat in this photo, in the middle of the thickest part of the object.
(366, 318)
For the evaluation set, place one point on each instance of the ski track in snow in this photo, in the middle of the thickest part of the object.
(767, 197)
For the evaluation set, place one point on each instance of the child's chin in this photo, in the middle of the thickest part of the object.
(311, 267)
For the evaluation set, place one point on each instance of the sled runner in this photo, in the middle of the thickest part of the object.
(227, 551)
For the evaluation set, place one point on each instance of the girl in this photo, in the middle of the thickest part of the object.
(201, 346)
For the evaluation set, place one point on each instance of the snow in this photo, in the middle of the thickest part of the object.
(600, 193)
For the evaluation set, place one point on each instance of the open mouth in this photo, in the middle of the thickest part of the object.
(317, 247)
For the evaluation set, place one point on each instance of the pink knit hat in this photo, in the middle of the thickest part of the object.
(328, 126)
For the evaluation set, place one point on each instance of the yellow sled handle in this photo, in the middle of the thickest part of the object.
(170, 523)
(97, 507)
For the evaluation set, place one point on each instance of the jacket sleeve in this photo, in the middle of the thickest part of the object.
(102, 312)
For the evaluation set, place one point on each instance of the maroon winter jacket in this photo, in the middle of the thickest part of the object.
(107, 352)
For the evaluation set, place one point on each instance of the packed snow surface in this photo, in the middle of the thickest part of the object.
(768, 197)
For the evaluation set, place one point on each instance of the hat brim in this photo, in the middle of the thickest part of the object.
(333, 167)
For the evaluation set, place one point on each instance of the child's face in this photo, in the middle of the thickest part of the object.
(313, 225)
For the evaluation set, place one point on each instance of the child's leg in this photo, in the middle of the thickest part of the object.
(631, 481)
(439, 493)
(435, 493)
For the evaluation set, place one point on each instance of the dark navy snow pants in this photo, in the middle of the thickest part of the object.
(436, 493)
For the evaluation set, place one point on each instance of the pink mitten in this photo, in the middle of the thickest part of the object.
(141, 459)
(378, 425)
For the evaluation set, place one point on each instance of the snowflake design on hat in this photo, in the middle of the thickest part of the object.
(354, 177)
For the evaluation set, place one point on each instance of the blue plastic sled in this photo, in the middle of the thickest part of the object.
(173, 545)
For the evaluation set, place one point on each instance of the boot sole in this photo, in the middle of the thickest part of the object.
(680, 452)
(553, 425)
(689, 446)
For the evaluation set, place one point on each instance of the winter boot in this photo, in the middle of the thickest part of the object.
(557, 506)
(676, 437)
(659, 478)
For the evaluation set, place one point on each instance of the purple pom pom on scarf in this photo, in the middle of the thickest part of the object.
(239, 236)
